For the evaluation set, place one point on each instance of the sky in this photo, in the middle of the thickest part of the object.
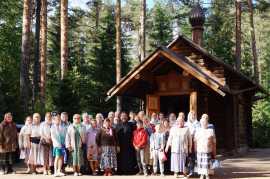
(81, 3)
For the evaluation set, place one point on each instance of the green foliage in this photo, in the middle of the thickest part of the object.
(160, 22)
(219, 30)
(10, 42)
(261, 123)
(261, 110)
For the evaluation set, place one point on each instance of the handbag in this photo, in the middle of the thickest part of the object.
(162, 156)
(215, 164)
(45, 142)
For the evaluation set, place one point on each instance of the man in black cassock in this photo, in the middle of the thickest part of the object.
(127, 163)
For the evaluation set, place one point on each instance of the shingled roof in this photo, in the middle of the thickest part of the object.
(194, 59)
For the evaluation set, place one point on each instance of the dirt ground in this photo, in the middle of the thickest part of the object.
(254, 164)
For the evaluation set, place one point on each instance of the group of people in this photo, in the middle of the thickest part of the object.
(121, 143)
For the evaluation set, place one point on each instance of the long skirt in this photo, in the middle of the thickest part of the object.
(46, 157)
(34, 155)
(24, 154)
(178, 162)
(7, 158)
(108, 158)
(203, 163)
(76, 157)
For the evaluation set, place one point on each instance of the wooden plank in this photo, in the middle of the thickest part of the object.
(174, 93)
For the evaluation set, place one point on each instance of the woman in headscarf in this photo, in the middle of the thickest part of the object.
(75, 139)
(205, 146)
(193, 124)
(8, 143)
(180, 142)
(106, 141)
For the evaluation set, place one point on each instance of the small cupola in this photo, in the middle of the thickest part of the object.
(197, 19)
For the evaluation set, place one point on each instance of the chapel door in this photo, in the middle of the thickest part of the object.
(153, 104)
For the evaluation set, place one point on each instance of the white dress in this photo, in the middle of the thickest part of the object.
(179, 140)
(34, 156)
(24, 142)
(46, 150)
(204, 149)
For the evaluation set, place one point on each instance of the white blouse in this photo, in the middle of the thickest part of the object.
(45, 130)
(203, 140)
(35, 130)
(24, 136)
(179, 140)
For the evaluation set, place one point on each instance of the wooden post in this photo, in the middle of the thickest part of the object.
(193, 102)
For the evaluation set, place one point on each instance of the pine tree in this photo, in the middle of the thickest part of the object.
(160, 30)
(25, 61)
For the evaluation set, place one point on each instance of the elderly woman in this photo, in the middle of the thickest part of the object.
(46, 144)
(99, 119)
(106, 141)
(193, 124)
(181, 143)
(75, 139)
(205, 146)
(8, 143)
(34, 156)
(24, 141)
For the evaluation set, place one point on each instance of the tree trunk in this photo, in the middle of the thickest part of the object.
(97, 9)
(64, 37)
(43, 52)
(25, 61)
(36, 63)
(118, 49)
(253, 43)
(238, 11)
(142, 30)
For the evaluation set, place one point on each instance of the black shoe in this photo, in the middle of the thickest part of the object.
(10, 170)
